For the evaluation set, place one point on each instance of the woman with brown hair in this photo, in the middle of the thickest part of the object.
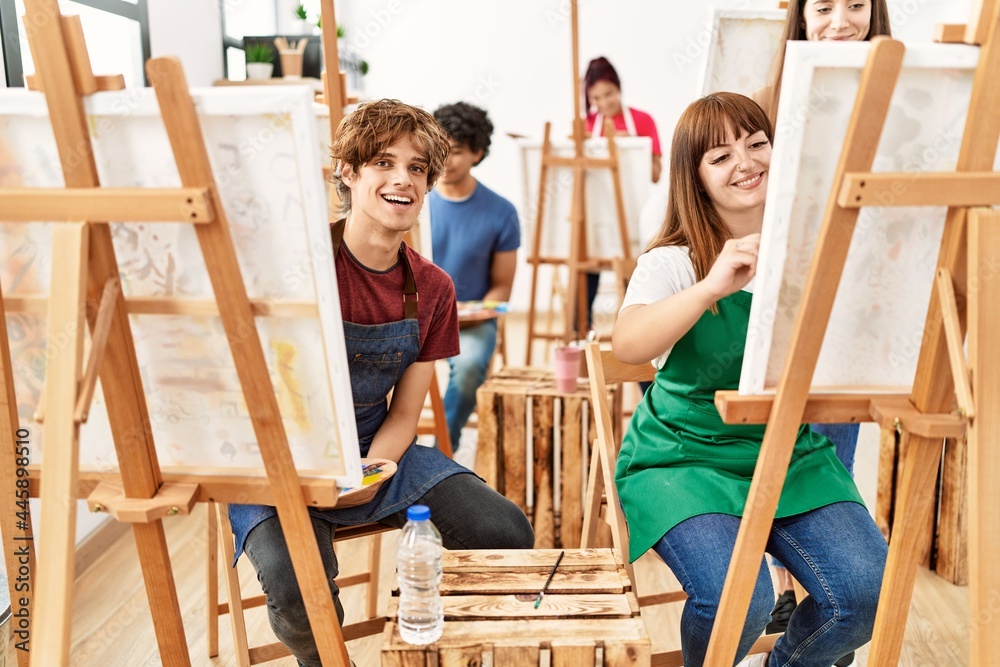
(823, 20)
(682, 474)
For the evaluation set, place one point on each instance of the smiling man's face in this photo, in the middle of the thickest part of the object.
(388, 192)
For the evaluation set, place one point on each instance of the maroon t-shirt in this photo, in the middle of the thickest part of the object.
(376, 297)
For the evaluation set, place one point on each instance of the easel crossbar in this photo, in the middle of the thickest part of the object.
(920, 189)
(166, 305)
(106, 204)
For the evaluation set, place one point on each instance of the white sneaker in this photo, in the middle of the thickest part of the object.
(755, 660)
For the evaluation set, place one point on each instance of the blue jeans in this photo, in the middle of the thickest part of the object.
(468, 372)
(845, 439)
(837, 554)
(498, 524)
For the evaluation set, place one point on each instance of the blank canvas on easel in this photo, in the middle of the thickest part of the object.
(603, 235)
(264, 149)
(877, 322)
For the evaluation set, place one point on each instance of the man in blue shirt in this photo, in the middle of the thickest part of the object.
(475, 235)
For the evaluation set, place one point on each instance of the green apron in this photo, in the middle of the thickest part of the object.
(679, 460)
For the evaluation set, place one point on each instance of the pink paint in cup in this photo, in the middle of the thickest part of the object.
(567, 367)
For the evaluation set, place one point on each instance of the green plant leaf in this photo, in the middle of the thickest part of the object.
(259, 52)
(300, 13)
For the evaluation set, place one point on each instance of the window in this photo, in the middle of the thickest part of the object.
(247, 17)
(117, 34)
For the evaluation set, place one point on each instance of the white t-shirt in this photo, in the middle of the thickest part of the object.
(658, 274)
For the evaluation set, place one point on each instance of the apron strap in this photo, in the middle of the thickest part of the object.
(410, 296)
(598, 130)
(629, 121)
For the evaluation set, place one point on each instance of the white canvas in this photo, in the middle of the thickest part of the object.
(877, 321)
(742, 46)
(263, 146)
(603, 236)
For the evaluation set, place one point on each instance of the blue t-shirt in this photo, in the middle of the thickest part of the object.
(466, 233)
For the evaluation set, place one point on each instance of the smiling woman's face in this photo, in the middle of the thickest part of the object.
(606, 97)
(837, 20)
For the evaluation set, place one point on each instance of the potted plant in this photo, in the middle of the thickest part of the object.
(303, 16)
(260, 60)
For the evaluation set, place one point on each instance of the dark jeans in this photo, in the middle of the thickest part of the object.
(845, 439)
(468, 513)
(837, 554)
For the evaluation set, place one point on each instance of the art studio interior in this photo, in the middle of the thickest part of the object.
(560, 333)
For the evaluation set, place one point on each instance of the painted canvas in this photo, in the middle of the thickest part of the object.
(603, 236)
(878, 318)
(264, 150)
(741, 48)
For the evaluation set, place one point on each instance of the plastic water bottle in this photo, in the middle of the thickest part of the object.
(421, 616)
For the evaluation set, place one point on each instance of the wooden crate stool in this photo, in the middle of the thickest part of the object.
(534, 448)
(218, 523)
(602, 495)
(588, 616)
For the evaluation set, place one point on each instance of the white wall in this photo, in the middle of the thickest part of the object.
(513, 58)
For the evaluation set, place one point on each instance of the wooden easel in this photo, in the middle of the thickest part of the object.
(85, 273)
(578, 260)
(966, 293)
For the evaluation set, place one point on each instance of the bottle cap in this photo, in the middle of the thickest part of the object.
(418, 513)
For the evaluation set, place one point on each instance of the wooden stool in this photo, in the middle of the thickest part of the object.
(218, 518)
(588, 616)
(602, 496)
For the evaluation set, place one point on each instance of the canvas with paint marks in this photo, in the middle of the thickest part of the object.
(877, 321)
(264, 150)
(741, 47)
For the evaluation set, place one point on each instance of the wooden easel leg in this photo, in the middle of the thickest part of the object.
(54, 607)
(233, 592)
(15, 519)
(374, 565)
(914, 501)
(885, 500)
(574, 319)
(984, 442)
(212, 579)
(536, 242)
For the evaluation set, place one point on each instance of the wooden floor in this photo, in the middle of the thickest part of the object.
(112, 627)
(111, 624)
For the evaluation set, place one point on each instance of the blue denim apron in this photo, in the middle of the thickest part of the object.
(378, 355)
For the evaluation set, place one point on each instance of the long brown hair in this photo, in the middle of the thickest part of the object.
(795, 30)
(692, 220)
